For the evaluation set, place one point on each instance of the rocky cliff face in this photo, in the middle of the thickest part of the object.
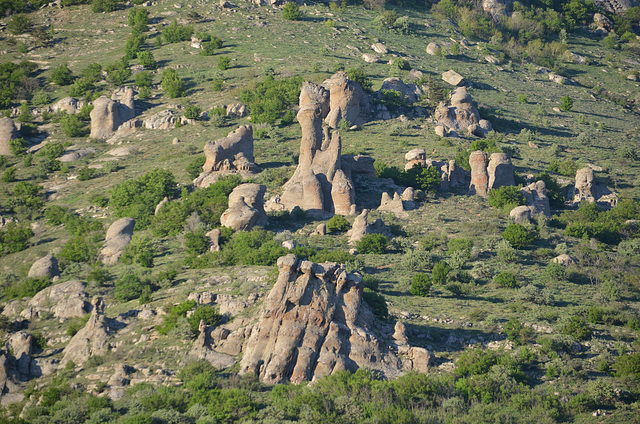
(314, 323)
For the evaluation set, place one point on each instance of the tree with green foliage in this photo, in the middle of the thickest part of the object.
(506, 279)
(291, 11)
(172, 84)
(420, 285)
(518, 333)
(506, 198)
(19, 24)
(270, 99)
(567, 103)
(14, 238)
(127, 288)
(78, 249)
(337, 224)
(439, 272)
(373, 244)
(72, 126)
(62, 75)
(147, 60)
(520, 236)
(175, 33)
(377, 303)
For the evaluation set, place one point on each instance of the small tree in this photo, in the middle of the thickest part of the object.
(223, 63)
(519, 236)
(172, 84)
(567, 103)
(373, 243)
(337, 224)
(291, 12)
(72, 126)
(19, 24)
(420, 285)
(439, 272)
(192, 112)
(506, 279)
(62, 75)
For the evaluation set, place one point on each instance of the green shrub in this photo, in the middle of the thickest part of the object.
(147, 60)
(140, 250)
(535, 295)
(210, 46)
(99, 6)
(270, 99)
(62, 75)
(518, 333)
(377, 303)
(172, 84)
(196, 242)
(291, 12)
(522, 98)
(144, 79)
(19, 24)
(224, 62)
(85, 173)
(171, 319)
(475, 362)
(628, 365)
(360, 76)
(506, 198)
(9, 175)
(519, 236)
(192, 112)
(174, 33)
(127, 288)
(506, 279)
(439, 272)
(255, 247)
(567, 103)
(29, 287)
(78, 249)
(206, 313)
(420, 285)
(72, 126)
(194, 169)
(577, 328)
(118, 72)
(138, 18)
(372, 243)
(427, 179)
(337, 224)
(134, 45)
(18, 146)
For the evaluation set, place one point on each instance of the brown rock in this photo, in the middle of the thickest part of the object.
(500, 170)
(479, 176)
(361, 227)
(246, 208)
(64, 300)
(109, 114)
(313, 324)
(536, 196)
(214, 240)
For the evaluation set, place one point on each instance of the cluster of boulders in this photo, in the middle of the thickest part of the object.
(587, 188)
(498, 173)
(459, 115)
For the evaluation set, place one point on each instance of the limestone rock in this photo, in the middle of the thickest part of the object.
(602, 21)
(370, 58)
(64, 300)
(521, 214)
(44, 267)
(479, 177)
(21, 347)
(69, 105)
(415, 157)
(160, 205)
(500, 170)
(214, 240)
(109, 114)
(590, 190)
(432, 48)
(536, 196)
(237, 110)
(161, 120)
(8, 132)
(461, 114)
(496, 8)
(393, 205)
(118, 237)
(91, 340)
(410, 92)
(246, 208)
(379, 48)
(454, 78)
(347, 101)
(564, 260)
(357, 165)
(313, 324)
(319, 185)
(361, 227)
(232, 154)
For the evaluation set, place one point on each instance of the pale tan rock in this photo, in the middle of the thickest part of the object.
(410, 92)
(537, 199)
(432, 48)
(235, 151)
(45, 267)
(361, 227)
(379, 48)
(415, 157)
(8, 132)
(496, 8)
(479, 177)
(160, 205)
(347, 101)
(246, 208)
(214, 240)
(461, 114)
(454, 78)
(64, 300)
(564, 260)
(500, 170)
(69, 105)
(116, 240)
(603, 22)
(21, 347)
(109, 114)
(91, 340)
(521, 214)
(370, 58)
(237, 110)
(393, 205)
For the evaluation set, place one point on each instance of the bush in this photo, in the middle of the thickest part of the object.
(62, 75)
(171, 319)
(377, 303)
(567, 103)
(195, 167)
(143, 79)
(372, 243)
(133, 46)
(628, 365)
(420, 285)
(175, 33)
(506, 198)
(506, 279)
(519, 236)
(78, 249)
(439, 272)
(140, 251)
(18, 146)
(147, 60)
(577, 328)
(85, 173)
(172, 84)
(270, 99)
(427, 179)
(475, 362)
(535, 295)
(255, 247)
(99, 6)
(291, 12)
(518, 333)
(337, 224)
(128, 288)
(210, 46)
(196, 242)
(19, 24)
(223, 63)
(206, 313)
(138, 18)
(118, 72)
(192, 112)
(29, 287)
(72, 126)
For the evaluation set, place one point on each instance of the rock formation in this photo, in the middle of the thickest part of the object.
(245, 208)
(461, 115)
(496, 8)
(432, 48)
(501, 171)
(536, 196)
(230, 155)
(415, 157)
(314, 323)
(347, 101)
(318, 185)
(479, 177)
(361, 227)
(8, 132)
(393, 205)
(92, 339)
(109, 114)
(64, 300)
(616, 6)
(454, 177)
(454, 78)
(45, 267)
(410, 92)
(357, 165)
(69, 105)
(521, 214)
(161, 121)
(590, 190)
(118, 237)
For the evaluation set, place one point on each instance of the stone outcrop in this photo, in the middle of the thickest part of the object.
(454, 78)
(500, 170)
(461, 114)
(479, 177)
(347, 101)
(521, 214)
(314, 323)
(496, 8)
(393, 205)
(161, 121)
(45, 267)
(246, 208)
(415, 157)
(432, 48)
(91, 340)
(616, 6)
(118, 237)
(454, 177)
(64, 300)
(587, 188)
(8, 132)
(213, 237)
(318, 185)
(69, 105)
(379, 48)
(357, 165)
(410, 92)
(109, 114)
(361, 227)
(21, 347)
(237, 110)
(564, 260)
(230, 155)
(537, 199)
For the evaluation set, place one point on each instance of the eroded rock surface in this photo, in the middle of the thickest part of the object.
(347, 101)
(64, 300)
(461, 114)
(109, 114)
(92, 339)
(361, 227)
(501, 171)
(314, 323)
(246, 208)
(46, 266)
(8, 132)
(587, 188)
(479, 177)
(118, 237)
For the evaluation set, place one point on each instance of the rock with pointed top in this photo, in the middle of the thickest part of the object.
(91, 340)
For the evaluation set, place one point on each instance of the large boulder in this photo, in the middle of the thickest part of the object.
(496, 8)
(461, 114)
(587, 188)
(69, 105)
(616, 6)
(229, 155)
(64, 300)
(109, 114)
(501, 171)
(314, 323)
(347, 101)
(454, 78)
(21, 347)
(117, 239)
(410, 92)
(415, 157)
(361, 228)
(246, 208)
(8, 132)
(45, 267)
(537, 199)
(318, 185)
(91, 340)
(479, 177)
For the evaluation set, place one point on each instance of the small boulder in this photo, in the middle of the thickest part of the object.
(8, 132)
(564, 260)
(46, 267)
(117, 239)
(379, 48)
(454, 78)
(370, 58)
(432, 48)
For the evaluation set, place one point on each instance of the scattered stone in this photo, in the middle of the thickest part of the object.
(289, 244)
(122, 151)
(432, 48)
(379, 48)
(160, 205)
(161, 120)
(564, 260)
(370, 58)
(117, 239)
(521, 214)
(454, 78)
(246, 208)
